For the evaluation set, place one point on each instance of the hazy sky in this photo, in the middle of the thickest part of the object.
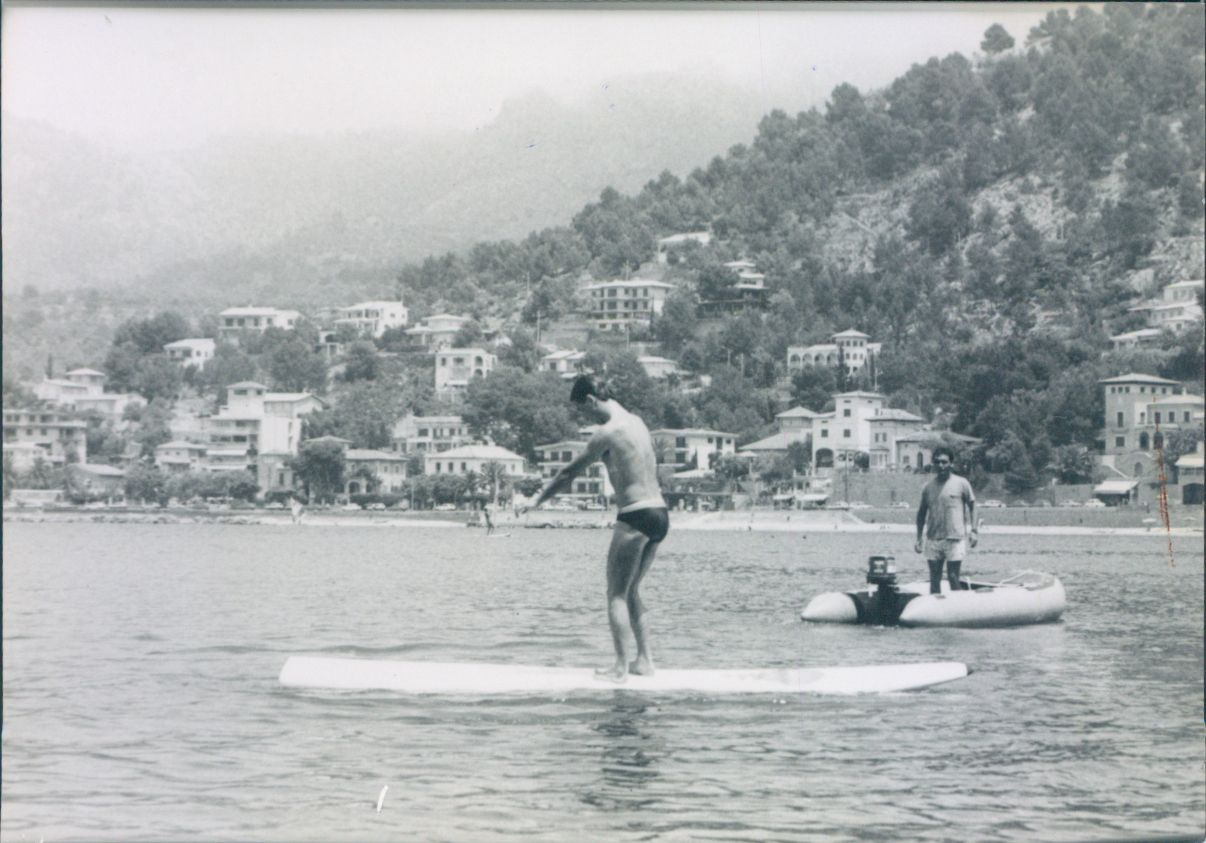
(138, 76)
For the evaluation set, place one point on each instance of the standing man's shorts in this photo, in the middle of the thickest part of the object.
(946, 550)
(654, 522)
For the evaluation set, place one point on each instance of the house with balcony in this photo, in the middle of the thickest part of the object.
(258, 430)
(373, 471)
(838, 437)
(748, 290)
(59, 436)
(437, 332)
(84, 390)
(234, 322)
(794, 425)
(566, 362)
(692, 448)
(1142, 338)
(179, 456)
(372, 318)
(429, 434)
(888, 426)
(851, 348)
(1177, 309)
(915, 451)
(473, 458)
(195, 351)
(617, 305)
(592, 483)
(455, 367)
(1129, 429)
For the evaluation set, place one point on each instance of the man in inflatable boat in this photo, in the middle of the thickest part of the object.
(947, 516)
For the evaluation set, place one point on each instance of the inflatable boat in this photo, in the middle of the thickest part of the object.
(1030, 597)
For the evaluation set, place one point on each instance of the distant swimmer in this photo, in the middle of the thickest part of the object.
(296, 509)
(623, 443)
(947, 510)
(489, 521)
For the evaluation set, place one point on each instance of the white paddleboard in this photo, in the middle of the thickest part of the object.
(462, 678)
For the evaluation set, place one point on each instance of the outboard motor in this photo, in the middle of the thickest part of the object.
(881, 570)
(881, 603)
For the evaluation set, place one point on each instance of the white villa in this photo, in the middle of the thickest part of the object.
(455, 367)
(234, 321)
(179, 456)
(564, 362)
(388, 471)
(260, 431)
(614, 305)
(1136, 339)
(473, 458)
(196, 351)
(682, 447)
(429, 434)
(84, 390)
(839, 436)
(373, 318)
(60, 437)
(436, 332)
(795, 425)
(850, 346)
(1140, 410)
(1177, 309)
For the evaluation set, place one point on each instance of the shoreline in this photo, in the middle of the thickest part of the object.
(796, 521)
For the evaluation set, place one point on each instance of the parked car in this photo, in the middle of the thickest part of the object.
(1070, 502)
(593, 506)
(445, 507)
(902, 505)
(992, 503)
(351, 507)
(274, 505)
(376, 507)
(1095, 504)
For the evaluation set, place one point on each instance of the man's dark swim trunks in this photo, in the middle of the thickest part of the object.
(653, 522)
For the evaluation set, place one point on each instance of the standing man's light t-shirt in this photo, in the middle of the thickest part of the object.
(946, 505)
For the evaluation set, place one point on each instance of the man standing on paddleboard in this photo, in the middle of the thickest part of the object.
(947, 511)
(623, 443)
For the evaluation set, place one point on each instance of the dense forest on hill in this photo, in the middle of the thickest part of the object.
(1019, 204)
(989, 220)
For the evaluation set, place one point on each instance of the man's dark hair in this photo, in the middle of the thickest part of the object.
(942, 449)
(585, 385)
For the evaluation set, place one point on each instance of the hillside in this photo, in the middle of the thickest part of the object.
(293, 211)
(990, 220)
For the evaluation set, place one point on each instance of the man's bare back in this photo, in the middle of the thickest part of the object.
(626, 448)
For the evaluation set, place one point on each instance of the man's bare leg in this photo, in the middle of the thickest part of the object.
(623, 564)
(643, 665)
(952, 573)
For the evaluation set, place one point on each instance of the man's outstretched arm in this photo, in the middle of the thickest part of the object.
(594, 449)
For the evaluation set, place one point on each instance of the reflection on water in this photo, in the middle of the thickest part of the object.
(628, 757)
(141, 699)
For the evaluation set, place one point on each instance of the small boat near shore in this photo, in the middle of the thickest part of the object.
(1030, 597)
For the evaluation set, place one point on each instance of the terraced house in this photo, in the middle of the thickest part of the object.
(614, 305)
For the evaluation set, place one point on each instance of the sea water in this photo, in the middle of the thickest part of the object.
(141, 699)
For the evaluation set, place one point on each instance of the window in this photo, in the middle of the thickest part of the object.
(825, 433)
(846, 433)
(1157, 417)
(846, 413)
(1120, 420)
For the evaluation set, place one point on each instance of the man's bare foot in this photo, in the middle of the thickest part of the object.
(641, 667)
(616, 673)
